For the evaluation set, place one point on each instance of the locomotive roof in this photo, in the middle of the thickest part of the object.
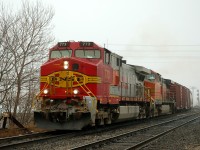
(142, 69)
(114, 54)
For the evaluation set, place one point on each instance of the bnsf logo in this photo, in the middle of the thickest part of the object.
(65, 79)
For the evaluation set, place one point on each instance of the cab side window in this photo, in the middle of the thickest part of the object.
(107, 57)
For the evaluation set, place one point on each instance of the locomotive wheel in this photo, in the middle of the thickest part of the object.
(99, 122)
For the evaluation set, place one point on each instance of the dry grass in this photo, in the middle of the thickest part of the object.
(14, 131)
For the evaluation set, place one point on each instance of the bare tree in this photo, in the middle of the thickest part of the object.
(27, 40)
(6, 81)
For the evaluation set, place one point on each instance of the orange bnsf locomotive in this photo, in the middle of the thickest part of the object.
(84, 84)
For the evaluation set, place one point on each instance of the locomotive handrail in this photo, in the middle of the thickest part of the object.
(36, 97)
(89, 92)
(41, 90)
(148, 95)
(86, 89)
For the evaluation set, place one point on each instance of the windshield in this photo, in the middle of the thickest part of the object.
(150, 77)
(87, 53)
(60, 53)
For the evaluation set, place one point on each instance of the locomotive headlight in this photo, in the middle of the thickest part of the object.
(45, 91)
(66, 64)
(75, 91)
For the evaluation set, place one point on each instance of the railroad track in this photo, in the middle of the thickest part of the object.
(39, 138)
(29, 139)
(139, 138)
(23, 140)
(26, 140)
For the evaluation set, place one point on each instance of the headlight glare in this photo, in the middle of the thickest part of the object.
(45, 91)
(75, 91)
(66, 64)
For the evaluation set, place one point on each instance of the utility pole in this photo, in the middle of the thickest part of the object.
(192, 95)
(198, 97)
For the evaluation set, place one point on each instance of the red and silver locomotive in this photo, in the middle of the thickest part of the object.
(84, 84)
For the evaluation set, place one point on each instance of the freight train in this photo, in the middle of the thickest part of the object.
(83, 84)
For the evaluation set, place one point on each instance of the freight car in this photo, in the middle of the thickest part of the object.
(84, 84)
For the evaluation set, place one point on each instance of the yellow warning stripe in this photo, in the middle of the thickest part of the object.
(69, 78)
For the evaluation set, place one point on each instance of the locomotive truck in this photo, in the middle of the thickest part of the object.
(83, 84)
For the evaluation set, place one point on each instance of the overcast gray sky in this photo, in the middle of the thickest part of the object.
(163, 35)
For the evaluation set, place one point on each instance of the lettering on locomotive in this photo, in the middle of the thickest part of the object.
(65, 79)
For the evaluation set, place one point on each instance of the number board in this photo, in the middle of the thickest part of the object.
(86, 44)
(63, 44)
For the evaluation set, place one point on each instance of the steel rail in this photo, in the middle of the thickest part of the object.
(25, 140)
(120, 136)
(155, 137)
